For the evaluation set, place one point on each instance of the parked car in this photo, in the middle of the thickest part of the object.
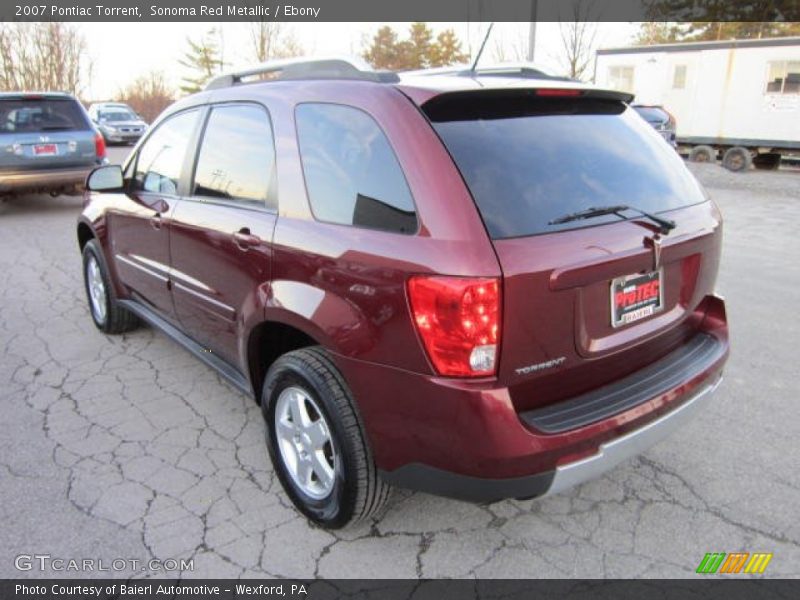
(48, 143)
(429, 282)
(118, 122)
(661, 120)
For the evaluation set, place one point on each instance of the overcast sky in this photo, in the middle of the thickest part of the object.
(122, 51)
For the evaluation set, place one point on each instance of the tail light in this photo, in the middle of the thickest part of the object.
(99, 146)
(458, 319)
(558, 92)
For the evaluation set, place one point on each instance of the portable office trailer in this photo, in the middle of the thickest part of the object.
(738, 99)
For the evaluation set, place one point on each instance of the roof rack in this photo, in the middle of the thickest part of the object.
(304, 68)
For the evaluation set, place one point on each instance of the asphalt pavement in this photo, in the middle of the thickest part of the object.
(128, 448)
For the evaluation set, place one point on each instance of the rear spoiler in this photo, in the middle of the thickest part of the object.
(509, 97)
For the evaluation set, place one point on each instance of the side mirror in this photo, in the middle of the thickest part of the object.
(107, 178)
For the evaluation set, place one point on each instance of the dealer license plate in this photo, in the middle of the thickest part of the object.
(45, 149)
(635, 297)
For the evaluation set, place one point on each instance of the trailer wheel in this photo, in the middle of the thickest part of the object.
(767, 161)
(737, 158)
(702, 154)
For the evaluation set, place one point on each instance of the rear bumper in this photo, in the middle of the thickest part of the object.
(465, 439)
(612, 453)
(122, 137)
(11, 181)
(608, 456)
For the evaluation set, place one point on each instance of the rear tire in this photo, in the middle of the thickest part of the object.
(318, 445)
(107, 314)
(737, 159)
(703, 154)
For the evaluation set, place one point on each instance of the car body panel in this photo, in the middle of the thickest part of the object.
(140, 225)
(219, 287)
(558, 284)
(473, 427)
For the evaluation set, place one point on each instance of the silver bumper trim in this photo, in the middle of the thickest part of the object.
(612, 453)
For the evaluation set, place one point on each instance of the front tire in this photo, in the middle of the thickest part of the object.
(107, 314)
(317, 442)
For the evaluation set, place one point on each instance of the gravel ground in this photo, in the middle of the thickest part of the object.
(127, 447)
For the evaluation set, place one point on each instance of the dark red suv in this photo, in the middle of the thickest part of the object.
(481, 287)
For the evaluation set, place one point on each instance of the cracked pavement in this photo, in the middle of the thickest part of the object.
(128, 447)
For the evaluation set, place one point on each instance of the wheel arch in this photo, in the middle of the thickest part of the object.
(268, 341)
(85, 233)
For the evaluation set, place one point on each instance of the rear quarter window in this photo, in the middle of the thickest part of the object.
(352, 174)
(528, 162)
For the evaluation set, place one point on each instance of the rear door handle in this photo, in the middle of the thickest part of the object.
(244, 239)
(155, 221)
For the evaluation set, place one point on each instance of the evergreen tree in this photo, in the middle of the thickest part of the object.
(419, 51)
(204, 59)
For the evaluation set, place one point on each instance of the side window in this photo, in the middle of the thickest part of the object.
(352, 174)
(237, 156)
(158, 167)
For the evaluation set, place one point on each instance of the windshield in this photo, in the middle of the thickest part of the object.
(652, 113)
(528, 162)
(118, 115)
(30, 115)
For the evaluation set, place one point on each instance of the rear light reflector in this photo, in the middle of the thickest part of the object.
(99, 146)
(458, 319)
(557, 92)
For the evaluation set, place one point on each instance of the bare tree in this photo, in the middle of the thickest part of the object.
(43, 56)
(577, 39)
(148, 95)
(270, 39)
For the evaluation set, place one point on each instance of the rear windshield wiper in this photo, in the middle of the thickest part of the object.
(665, 225)
(55, 128)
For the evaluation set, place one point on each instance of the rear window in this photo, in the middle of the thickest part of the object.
(35, 115)
(529, 161)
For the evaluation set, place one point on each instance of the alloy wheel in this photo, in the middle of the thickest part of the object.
(97, 289)
(304, 439)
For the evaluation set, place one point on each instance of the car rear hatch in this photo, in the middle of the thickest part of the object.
(44, 132)
(587, 300)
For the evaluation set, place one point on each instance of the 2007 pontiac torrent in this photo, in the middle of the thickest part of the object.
(480, 287)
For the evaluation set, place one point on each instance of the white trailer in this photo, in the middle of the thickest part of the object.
(737, 100)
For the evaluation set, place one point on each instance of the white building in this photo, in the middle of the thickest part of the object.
(742, 93)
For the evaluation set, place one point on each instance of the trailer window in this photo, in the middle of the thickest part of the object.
(621, 78)
(679, 77)
(784, 77)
